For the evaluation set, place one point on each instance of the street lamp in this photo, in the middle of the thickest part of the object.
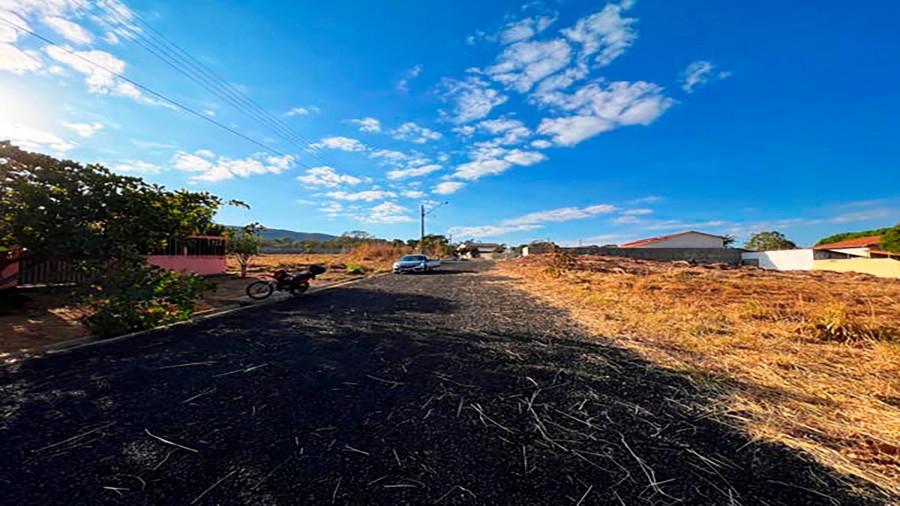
(423, 213)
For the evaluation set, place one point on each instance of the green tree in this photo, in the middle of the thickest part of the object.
(103, 224)
(87, 215)
(436, 245)
(245, 244)
(890, 237)
(766, 241)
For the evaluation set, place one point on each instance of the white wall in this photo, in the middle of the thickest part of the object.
(857, 252)
(688, 241)
(784, 260)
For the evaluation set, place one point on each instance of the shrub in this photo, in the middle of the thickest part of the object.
(141, 297)
(558, 263)
(355, 269)
(836, 324)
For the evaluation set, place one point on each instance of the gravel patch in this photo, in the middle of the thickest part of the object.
(447, 388)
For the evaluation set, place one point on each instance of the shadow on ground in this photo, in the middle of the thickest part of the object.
(398, 390)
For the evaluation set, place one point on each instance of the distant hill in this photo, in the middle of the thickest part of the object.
(278, 233)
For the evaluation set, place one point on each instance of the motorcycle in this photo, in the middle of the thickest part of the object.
(284, 281)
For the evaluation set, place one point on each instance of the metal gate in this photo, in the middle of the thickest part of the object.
(49, 272)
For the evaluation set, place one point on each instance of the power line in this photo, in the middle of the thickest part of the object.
(179, 59)
(144, 88)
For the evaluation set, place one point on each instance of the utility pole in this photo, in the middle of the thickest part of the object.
(422, 214)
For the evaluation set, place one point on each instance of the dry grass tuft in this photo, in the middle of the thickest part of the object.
(807, 359)
(370, 257)
(382, 255)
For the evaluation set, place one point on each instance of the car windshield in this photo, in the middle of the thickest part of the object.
(413, 258)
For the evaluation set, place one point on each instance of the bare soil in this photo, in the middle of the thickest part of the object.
(450, 388)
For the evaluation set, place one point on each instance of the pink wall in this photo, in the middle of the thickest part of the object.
(10, 270)
(203, 265)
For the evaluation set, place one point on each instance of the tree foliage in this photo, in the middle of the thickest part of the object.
(767, 241)
(890, 237)
(435, 245)
(61, 209)
(141, 297)
(245, 244)
(103, 224)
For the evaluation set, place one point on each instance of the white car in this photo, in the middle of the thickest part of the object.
(415, 263)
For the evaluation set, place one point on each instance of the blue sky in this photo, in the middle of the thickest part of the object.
(575, 121)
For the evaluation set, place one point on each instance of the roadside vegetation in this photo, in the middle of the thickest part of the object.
(810, 360)
(890, 237)
(101, 226)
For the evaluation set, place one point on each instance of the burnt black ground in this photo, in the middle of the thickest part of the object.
(446, 388)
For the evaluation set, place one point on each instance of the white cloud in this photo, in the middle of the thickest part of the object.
(7, 32)
(413, 171)
(389, 156)
(367, 124)
(341, 143)
(99, 76)
(137, 166)
(12, 58)
(626, 220)
(73, 32)
(448, 187)
(488, 231)
(413, 194)
(508, 131)
(489, 160)
(473, 97)
(571, 130)
(523, 64)
(605, 34)
(84, 129)
(478, 168)
(387, 212)
(520, 157)
(601, 107)
(412, 73)
(332, 209)
(210, 167)
(560, 215)
(32, 138)
(699, 73)
(524, 29)
(650, 199)
(17, 61)
(541, 144)
(327, 176)
(464, 130)
(367, 195)
(637, 212)
(414, 133)
(302, 111)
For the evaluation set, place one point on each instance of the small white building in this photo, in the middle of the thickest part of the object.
(784, 260)
(689, 239)
(867, 247)
(805, 259)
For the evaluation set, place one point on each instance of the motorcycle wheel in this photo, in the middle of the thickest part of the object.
(298, 290)
(259, 290)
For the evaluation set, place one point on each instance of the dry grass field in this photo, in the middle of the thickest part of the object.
(370, 257)
(810, 360)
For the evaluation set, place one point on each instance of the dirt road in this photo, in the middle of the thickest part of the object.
(447, 388)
